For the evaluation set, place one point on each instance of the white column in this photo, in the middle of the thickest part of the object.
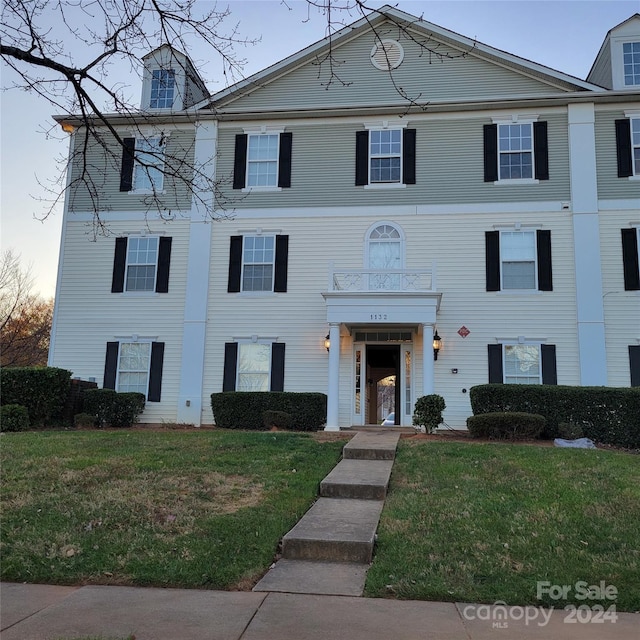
(428, 374)
(197, 289)
(586, 242)
(333, 393)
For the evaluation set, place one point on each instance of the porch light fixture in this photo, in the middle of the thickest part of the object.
(327, 342)
(437, 344)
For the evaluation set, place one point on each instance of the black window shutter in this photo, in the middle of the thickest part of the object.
(634, 364)
(110, 366)
(282, 262)
(495, 364)
(230, 366)
(490, 152)
(155, 372)
(240, 162)
(164, 261)
(235, 264)
(545, 275)
(284, 160)
(119, 265)
(126, 168)
(630, 266)
(623, 148)
(549, 372)
(409, 156)
(492, 251)
(277, 366)
(541, 150)
(362, 158)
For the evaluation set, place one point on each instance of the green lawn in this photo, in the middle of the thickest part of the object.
(485, 522)
(462, 522)
(184, 509)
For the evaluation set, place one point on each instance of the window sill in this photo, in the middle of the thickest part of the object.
(521, 292)
(256, 294)
(261, 189)
(634, 178)
(386, 185)
(517, 181)
(139, 294)
(146, 192)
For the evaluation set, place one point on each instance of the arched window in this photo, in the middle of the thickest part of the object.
(385, 252)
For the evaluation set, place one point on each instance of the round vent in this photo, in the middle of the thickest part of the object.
(387, 55)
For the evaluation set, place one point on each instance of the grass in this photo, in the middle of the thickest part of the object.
(481, 523)
(183, 509)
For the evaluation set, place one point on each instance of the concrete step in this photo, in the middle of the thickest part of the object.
(335, 530)
(358, 479)
(319, 578)
(372, 445)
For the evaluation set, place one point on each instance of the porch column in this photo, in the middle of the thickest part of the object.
(333, 394)
(427, 360)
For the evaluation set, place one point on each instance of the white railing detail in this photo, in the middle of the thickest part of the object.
(383, 280)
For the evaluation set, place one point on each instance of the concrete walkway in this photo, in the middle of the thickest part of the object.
(42, 612)
(330, 549)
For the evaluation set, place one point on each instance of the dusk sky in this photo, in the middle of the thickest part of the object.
(564, 35)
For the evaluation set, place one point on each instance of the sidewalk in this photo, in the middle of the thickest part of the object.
(43, 612)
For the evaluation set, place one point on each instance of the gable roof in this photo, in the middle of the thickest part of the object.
(552, 77)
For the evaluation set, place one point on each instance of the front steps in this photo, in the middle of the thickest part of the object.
(329, 550)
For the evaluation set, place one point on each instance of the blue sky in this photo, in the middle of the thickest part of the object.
(565, 35)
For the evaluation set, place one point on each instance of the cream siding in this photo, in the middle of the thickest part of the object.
(95, 183)
(458, 74)
(621, 308)
(89, 315)
(600, 74)
(456, 243)
(449, 167)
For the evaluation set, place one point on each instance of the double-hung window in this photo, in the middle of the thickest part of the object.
(148, 172)
(515, 148)
(518, 260)
(141, 263)
(133, 367)
(385, 154)
(258, 258)
(143, 160)
(258, 263)
(142, 259)
(162, 88)
(522, 362)
(516, 151)
(262, 160)
(631, 63)
(135, 364)
(255, 364)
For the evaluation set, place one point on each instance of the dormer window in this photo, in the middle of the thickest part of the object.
(163, 82)
(631, 63)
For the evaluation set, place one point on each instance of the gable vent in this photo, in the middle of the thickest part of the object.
(387, 55)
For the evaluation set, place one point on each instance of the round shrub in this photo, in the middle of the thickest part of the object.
(506, 425)
(84, 420)
(14, 417)
(278, 419)
(428, 412)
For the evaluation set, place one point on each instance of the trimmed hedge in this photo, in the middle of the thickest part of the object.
(14, 417)
(42, 390)
(609, 415)
(113, 409)
(245, 409)
(508, 425)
